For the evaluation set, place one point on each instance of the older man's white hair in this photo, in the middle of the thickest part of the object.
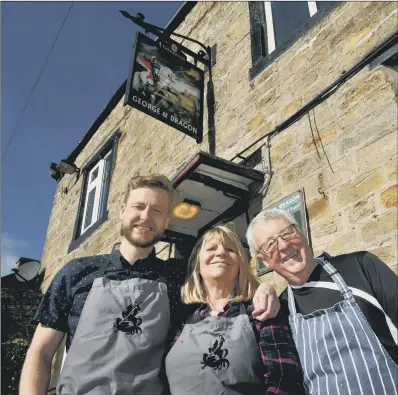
(265, 216)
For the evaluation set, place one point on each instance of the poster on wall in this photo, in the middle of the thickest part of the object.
(295, 205)
(164, 85)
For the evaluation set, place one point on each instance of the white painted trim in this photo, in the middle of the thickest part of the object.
(312, 8)
(357, 292)
(98, 184)
(269, 21)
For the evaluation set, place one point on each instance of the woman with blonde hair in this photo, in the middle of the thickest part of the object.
(222, 349)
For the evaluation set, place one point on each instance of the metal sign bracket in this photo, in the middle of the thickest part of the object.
(204, 57)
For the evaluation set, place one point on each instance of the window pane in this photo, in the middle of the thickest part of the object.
(94, 175)
(288, 17)
(89, 210)
(323, 4)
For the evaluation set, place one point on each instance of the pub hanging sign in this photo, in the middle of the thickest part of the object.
(162, 84)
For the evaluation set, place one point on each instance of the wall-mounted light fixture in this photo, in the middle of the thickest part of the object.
(187, 209)
(67, 167)
(63, 167)
(54, 172)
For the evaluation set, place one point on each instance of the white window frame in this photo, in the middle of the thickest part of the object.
(97, 184)
(269, 21)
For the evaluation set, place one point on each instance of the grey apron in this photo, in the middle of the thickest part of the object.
(216, 356)
(339, 352)
(120, 339)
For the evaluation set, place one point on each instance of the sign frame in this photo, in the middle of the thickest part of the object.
(137, 100)
(301, 211)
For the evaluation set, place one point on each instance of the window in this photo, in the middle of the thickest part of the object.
(97, 175)
(96, 192)
(276, 25)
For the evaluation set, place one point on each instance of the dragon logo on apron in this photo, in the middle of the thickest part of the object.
(216, 357)
(129, 324)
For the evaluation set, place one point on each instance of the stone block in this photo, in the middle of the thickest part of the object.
(291, 108)
(352, 117)
(372, 126)
(341, 36)
(381, 227)
(343, 170)
(389, 25)
(256, 121)
(353, 191)
(326, 227)
(362, 210)
(268, 73)
(266, 100)
(298, 61)
(264, 129)
(385, 252)
(386, 93)
(362, 89)
(389, 196)
(318, 208)
(300, 170)
(324, 114)
(394, 268)
(343, 244)
(325, 136)
(392, 171)
(377, 152)
(315, 57)
(280, 150)
(362, 41)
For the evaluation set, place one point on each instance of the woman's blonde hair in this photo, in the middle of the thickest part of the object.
(194, 289)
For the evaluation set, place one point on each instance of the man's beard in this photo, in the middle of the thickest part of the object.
(126, 233)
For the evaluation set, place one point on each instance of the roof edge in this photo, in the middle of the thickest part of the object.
(173, 24)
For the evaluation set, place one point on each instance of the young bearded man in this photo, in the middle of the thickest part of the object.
(117, 309)
(343, 309)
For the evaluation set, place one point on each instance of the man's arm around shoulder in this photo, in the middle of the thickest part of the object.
(36, 372)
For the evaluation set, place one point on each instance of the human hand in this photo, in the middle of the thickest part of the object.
(266, 303)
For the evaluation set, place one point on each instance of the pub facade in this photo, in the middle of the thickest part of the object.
(297, 108)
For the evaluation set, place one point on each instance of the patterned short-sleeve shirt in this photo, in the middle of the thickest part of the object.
(63, 302)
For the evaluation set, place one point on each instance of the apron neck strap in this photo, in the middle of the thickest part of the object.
(334, 275)
(242, 309)
(291, 302)
(104, 266)
(115, 256)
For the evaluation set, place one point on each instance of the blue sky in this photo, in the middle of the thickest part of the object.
(87, 65)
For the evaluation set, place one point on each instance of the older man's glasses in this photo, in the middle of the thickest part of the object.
(272, 244)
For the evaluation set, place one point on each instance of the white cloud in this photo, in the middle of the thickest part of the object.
(11, 251)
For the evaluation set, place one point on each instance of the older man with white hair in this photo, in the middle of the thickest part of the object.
(343, 310)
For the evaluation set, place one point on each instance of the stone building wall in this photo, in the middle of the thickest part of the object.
(357, 126)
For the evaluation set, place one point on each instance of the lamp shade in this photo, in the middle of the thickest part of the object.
(187, 209)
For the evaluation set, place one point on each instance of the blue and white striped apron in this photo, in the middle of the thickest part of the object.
(339, 352)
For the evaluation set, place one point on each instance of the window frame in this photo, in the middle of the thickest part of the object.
(259, 32)
(98, 185)
(107, 153)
